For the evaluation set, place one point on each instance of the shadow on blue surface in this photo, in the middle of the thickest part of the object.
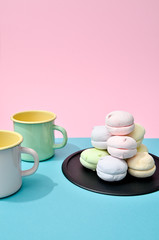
(61, 154)
(33, 188)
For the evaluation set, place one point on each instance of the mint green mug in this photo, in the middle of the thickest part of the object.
(37, 129)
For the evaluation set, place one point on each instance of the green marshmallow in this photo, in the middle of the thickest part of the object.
(89, 157)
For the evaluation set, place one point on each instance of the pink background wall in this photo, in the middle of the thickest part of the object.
(81, 60)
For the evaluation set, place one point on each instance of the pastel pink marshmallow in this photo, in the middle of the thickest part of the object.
(122, 147)
(120, 123)
(121, 153)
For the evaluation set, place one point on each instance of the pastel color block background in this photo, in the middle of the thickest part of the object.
(81, 60)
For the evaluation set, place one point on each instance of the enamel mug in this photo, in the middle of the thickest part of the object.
(37, 129)
(10, 162)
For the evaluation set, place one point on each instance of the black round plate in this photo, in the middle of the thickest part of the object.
(87, 179)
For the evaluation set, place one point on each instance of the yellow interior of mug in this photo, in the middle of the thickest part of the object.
(32, 117)
(9, 139)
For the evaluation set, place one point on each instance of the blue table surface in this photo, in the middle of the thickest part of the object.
(48, 206)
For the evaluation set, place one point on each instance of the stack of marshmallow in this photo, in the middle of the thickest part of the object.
(119, 148)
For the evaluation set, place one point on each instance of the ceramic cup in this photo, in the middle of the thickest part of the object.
(10, 162)
(37, 129)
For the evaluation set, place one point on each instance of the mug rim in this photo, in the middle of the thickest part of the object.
(52, 117)
(18, 142)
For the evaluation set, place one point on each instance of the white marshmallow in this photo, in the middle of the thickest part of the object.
(111, 169)
(111, 178)
(99, 137)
